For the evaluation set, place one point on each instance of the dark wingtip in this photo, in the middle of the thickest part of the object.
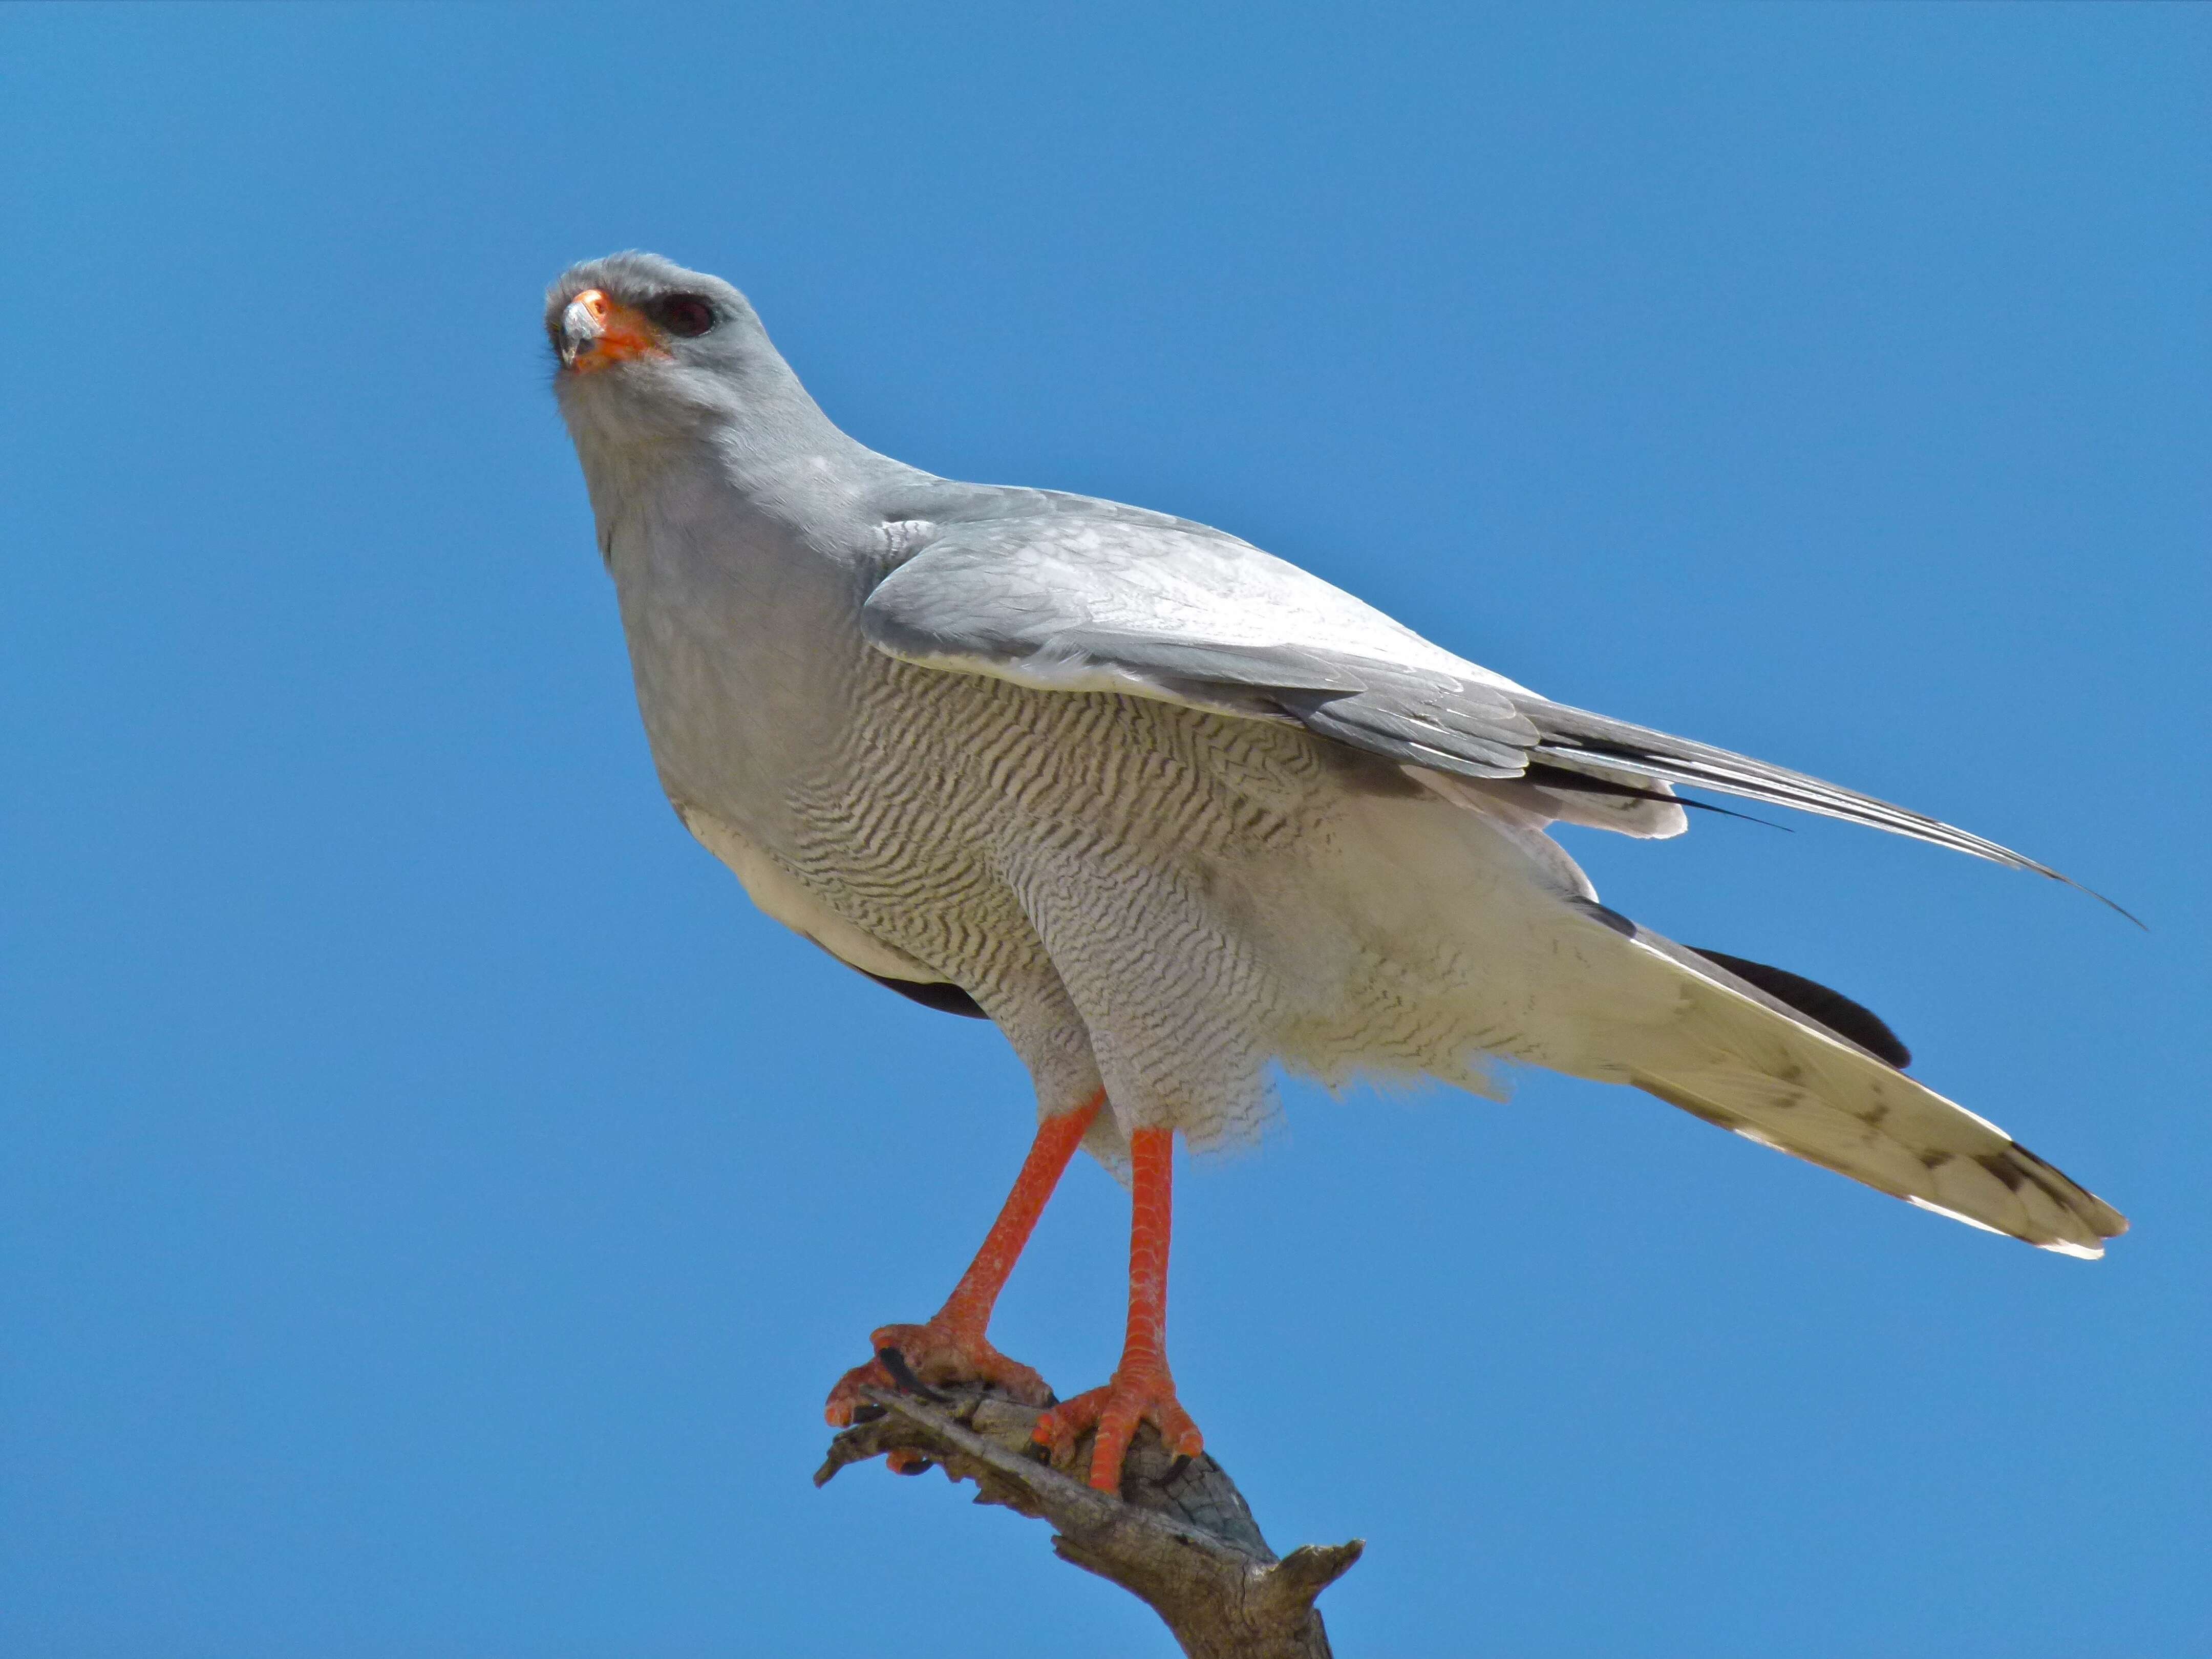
(2020, 862)
(2113, 905)
(1730, 812)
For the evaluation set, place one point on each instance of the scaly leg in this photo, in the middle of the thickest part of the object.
(1141, 1388)
(951, 1347)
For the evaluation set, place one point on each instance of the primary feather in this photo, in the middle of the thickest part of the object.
(1078, 601)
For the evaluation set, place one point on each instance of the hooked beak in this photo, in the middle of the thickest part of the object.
(596, 331)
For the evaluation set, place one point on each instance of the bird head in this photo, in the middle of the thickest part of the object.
(641, 345)
(661, 372)
(641, 309)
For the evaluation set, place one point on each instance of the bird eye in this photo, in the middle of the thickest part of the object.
(689, 315)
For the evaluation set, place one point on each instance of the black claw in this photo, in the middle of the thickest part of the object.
(921, 1467)
(1174, 1470)
(903, 1373)
(867, 1412)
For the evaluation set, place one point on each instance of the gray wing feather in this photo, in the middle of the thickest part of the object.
(1279, 668)
(1178, 611)
(1575, 738)
(1111, 599)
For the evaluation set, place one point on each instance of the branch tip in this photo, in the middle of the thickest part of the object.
(1179, 1536)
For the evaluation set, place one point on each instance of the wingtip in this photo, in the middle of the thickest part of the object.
(2062, 877)
(2110, 904)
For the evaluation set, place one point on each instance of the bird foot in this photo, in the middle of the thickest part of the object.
(1141, 1392)
(918, 1357)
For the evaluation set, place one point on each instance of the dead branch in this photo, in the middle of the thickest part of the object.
(1179, 1536)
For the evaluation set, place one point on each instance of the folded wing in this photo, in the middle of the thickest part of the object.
(1135, 602)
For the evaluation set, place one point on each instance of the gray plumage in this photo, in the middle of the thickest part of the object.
(1171, 810)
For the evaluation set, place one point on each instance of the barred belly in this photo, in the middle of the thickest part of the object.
(1177, 882)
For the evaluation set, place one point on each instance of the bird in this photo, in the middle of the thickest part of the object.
(1178, 816)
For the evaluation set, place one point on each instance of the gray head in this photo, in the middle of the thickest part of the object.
(647, 350)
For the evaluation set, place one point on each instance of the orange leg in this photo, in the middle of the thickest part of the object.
(1141, 1388)
(951, 1347)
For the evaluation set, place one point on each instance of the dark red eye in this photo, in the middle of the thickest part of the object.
(689, 315)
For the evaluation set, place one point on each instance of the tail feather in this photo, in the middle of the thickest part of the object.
(1738, 1058)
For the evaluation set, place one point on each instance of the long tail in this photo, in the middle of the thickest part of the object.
(1737, 1054)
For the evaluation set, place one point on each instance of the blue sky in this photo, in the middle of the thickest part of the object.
(433, 1204)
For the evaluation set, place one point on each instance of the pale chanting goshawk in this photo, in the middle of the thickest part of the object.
(1171, 812)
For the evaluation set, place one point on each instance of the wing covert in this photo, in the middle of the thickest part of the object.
(1077, 596)
(1186, 615)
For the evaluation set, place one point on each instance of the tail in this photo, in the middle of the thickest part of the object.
(1780, 1072)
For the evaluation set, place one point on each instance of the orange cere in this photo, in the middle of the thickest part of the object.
(624, 335)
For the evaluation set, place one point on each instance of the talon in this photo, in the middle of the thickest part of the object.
(951, 1347)
(911, 1359)
(1141, 1392)
(903, 1373)
(907, 1462)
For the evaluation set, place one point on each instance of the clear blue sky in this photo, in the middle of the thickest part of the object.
(433, 1204)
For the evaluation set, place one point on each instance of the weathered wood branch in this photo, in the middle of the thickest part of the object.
(1181, 1537)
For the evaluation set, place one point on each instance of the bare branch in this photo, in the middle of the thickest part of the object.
(1179, 1536)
